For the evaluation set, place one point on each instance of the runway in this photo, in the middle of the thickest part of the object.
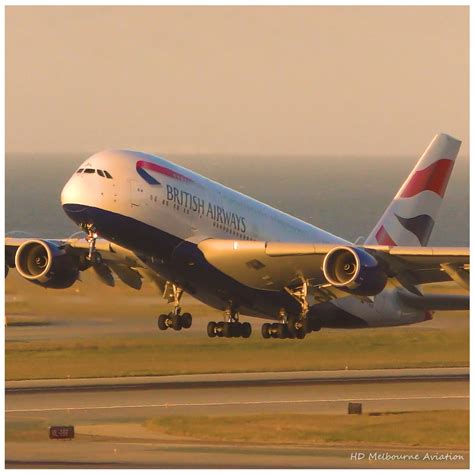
(314, 392)
(105, 408)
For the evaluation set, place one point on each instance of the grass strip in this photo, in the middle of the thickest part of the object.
(170, 353)
(437, 429)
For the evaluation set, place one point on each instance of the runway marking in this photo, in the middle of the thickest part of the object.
(250, 402)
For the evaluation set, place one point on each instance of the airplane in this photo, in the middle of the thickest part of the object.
(148, 218)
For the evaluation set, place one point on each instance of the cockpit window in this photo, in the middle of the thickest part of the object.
(100, 173)
(89, 170)
(109, 176)
(80, 170)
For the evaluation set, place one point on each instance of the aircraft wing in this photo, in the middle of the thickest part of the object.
(279, 265)
(117, 262)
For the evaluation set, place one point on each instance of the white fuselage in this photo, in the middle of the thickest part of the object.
(190, 207)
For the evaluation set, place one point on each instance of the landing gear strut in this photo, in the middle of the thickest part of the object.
(230, 327)
(93, 257)
(174, 320)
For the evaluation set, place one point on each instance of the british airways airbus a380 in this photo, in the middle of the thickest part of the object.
(146, 217)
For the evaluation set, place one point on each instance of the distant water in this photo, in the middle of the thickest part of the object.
(345, 196)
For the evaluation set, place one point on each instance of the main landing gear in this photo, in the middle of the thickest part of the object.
(174, 320)
(295, 326)
(230, 327)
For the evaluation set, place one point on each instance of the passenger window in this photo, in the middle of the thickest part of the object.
(89, 170)
(80, 170)
(109, 176)
(100, 173)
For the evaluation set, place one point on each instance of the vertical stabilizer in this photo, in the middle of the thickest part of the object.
(410, 217)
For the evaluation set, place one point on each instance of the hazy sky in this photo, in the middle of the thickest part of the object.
(315, 80)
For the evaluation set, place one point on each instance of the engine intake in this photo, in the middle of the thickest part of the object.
(44, 263)
(354, 270)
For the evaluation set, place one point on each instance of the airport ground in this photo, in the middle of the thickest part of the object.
(273, 420)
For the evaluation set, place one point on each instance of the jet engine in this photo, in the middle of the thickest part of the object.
(46, 264)
(355, 271)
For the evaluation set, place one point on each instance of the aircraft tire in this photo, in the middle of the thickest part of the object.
(246, 330)
(282, 331)
(220, 329)
(266, 330)
(227, 330)
(300, 334)
(176, 322)
(315, 325)
(234, 329)
(186, 320)
(162, 322)
(211, 329)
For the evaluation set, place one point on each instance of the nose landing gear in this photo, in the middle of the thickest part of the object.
(93, 258)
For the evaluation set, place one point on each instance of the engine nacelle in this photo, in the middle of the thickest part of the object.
(44, 263)
(354, 270)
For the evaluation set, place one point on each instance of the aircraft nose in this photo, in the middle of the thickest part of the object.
(72, 200)
(69, 193)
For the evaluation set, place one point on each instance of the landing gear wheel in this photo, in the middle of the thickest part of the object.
(297, 328)
(306, 326)
(282, 331)
(227, 330)
(211, 329)
(300, 334)
(315, 325)
(274, 330)
(220, 329)
(186, 320)
(162, 322)
(236, 329)
(246, 330)
(176, 322)
(266, 327)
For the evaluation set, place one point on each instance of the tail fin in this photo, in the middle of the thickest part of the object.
(410, 217)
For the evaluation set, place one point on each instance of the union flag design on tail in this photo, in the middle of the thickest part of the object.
(410, 217)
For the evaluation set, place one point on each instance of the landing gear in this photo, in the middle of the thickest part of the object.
(276, 331)
(174, 320)
(294, 326)
(93, 258)
(231, 327)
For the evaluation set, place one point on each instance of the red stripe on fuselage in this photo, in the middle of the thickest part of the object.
(433, 178)
(383, 238)
(162, 170)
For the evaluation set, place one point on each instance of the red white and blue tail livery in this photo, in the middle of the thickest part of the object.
(411, 216)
